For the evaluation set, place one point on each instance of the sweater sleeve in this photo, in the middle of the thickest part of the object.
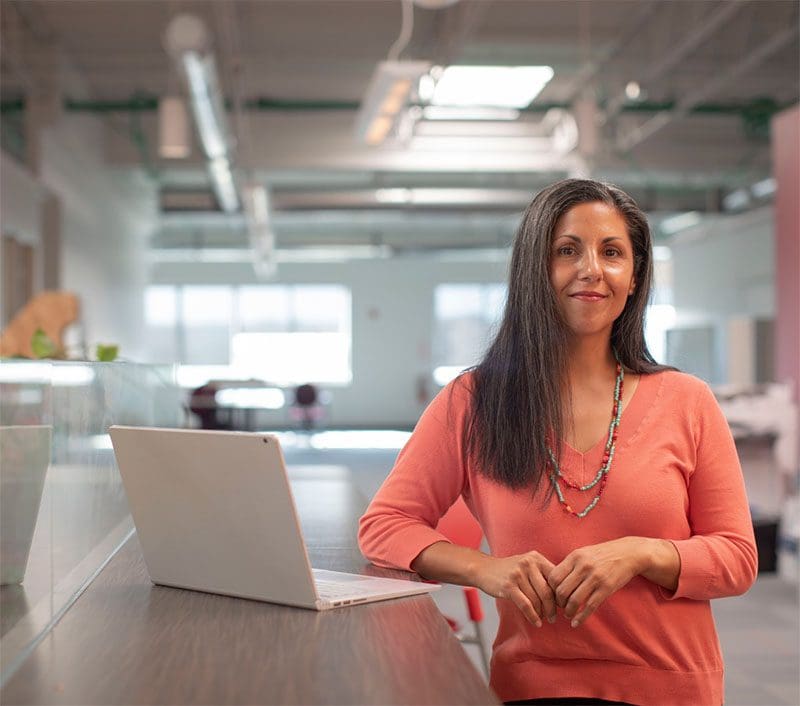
(426, 480)
(720, 558)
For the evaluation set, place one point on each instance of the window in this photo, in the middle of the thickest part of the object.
(465, 319)
(660, 315)
(301, 334)
(284, 334)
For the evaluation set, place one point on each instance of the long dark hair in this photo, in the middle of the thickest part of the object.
(518, 386)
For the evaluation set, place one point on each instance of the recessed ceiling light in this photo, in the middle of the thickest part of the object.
(679, 222)
(501, 86)
(633, 90)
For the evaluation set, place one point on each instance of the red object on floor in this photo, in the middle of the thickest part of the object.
(460, 527)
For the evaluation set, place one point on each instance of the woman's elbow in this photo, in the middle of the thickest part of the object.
(751, 562)
(748, 569)
(366, 537)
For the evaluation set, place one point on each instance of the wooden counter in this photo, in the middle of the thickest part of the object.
(126, 641)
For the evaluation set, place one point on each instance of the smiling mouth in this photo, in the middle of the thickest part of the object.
(588, 296)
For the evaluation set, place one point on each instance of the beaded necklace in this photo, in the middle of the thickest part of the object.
(608, 457)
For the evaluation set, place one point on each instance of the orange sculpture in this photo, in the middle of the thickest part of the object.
(51, 311)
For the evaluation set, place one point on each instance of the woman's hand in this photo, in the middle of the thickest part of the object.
(521, 579)
(589, 575)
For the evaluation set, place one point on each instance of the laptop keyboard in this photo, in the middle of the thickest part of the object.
(331, 589)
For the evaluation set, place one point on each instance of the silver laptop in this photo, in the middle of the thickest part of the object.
(214, 512)
(24, 459)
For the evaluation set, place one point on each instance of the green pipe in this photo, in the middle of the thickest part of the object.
(761, 107)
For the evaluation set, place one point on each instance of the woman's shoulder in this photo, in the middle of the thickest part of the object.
(674, 383)
(460, 389)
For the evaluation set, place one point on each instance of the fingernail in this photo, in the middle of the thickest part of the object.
(574, 623)
(538, 623)
(551, 619)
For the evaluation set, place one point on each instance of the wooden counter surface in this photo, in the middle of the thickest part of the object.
(126, 641)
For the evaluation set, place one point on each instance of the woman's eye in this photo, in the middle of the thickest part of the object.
(612, 252)
(566, 250)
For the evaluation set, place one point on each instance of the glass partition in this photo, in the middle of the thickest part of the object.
(64, 511)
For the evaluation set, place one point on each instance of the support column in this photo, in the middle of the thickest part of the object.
(786, 166)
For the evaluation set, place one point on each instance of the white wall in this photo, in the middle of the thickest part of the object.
(107, 215)
(21, 198)
(392, 325)
(723, 275)
(726, 267)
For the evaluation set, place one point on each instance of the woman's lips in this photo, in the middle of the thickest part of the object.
(588, 296)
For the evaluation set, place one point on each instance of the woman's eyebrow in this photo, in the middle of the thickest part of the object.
(576, 239)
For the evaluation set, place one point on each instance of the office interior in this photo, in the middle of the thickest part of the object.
(207, 206)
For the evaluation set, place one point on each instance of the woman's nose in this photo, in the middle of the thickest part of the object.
(589, 266)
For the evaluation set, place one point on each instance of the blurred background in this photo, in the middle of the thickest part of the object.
(237, 186)
(303, 209)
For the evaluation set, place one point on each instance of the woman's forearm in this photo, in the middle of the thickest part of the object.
(449, 563)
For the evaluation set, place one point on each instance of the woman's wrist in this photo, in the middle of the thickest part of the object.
(475, 569)
(658, 561)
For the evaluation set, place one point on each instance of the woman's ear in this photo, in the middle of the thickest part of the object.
(632, 287)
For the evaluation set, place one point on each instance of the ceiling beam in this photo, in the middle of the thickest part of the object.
(685, 105)
(682, 50)
(591, 69)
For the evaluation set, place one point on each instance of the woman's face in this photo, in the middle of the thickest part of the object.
(591, 267)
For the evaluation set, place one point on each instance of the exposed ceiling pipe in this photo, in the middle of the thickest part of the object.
(685, 105)
(674, 57)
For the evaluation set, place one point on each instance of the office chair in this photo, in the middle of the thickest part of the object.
(461, 528)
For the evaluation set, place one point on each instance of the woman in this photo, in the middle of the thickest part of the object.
(607, 486)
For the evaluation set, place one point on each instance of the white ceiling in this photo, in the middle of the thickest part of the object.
(713, 72)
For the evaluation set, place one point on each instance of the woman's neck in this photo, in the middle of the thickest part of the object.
(590, 359)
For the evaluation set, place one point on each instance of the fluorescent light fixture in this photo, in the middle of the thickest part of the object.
(223, 184)
(209, 112)
(450, 112)
(258, 216)
(764, 189)
(675, 224)
(736, 200)
(500, 86)
(188, 43)
(387, 94)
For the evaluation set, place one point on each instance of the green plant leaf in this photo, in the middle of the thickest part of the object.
(42, 345)
(106, 353)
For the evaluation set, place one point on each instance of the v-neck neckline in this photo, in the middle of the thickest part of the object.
(631, 417)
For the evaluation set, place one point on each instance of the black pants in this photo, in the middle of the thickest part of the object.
(569, 700)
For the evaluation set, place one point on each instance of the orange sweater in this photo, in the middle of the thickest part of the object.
(675, 475)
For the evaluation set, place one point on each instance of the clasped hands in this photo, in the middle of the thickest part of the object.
(578, 585)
